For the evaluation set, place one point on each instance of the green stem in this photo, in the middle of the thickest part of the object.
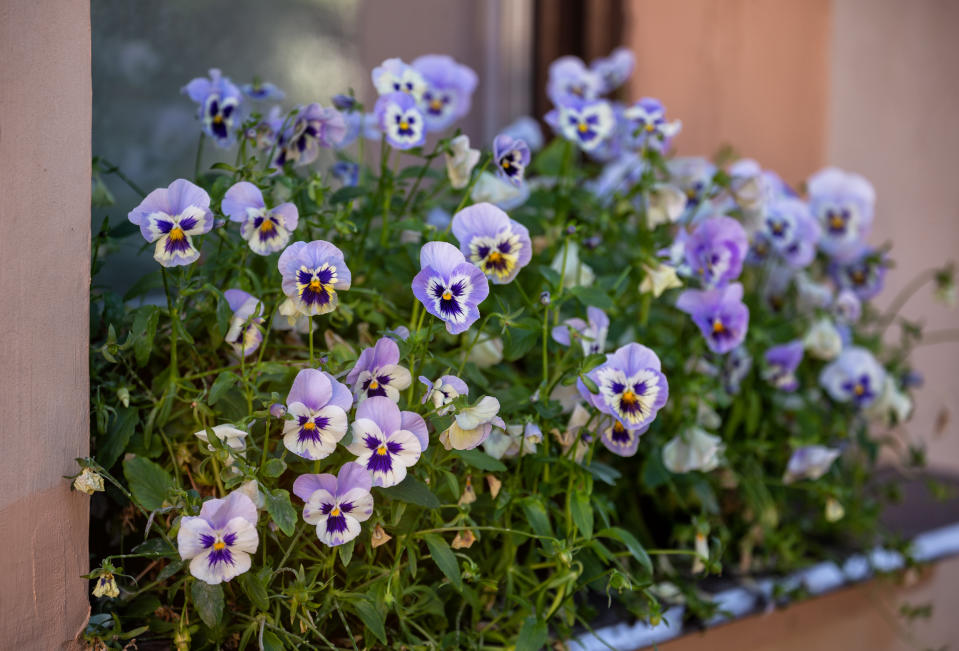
(419, 179)
(387, 198)
(904, 295)
(311, 341)
(469, 189)
(469, 349)
(174, 371)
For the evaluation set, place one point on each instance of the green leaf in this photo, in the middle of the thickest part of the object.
(520, 338)
(604, 473)
(372, 619)
(444, 558)
(143, 332)
(631, 543)
(480, 460)
(533, 635)
(223, 383)
(149, 483)
(157, 547)
(654, 473)
(593, 296)
(208, 601)
(347, 194)
(413, 491)
(346, 552)
(111, 446)
(590, 384)
(274, 467)
(281, 510)
(582, 513)
(537, 516)
(271, 642)
(254, 585)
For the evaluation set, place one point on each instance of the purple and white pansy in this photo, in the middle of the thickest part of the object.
(171, 217)
(263, 90)
(244, 332)
(448, 93)
(315, 126)
(396, 76)
(632, 387)
(498, 245)
(400, 120)
(312, 273)
(716, 249)
(219, 541)
(591, 333)
(790, 230)
(855, 376)
(863, 272)
(336, 504)
(613, 70)
(387, 441)
(511, 157)
(219, 103)
(781, 364)
(617, 438)
(570, 79)
(720, 313)
(843, 203)
(648, 127)
(810, 462)
(449, 287)
(377, 372)
(318, 404)
(585, 122)
(443, 392)
(266, 230)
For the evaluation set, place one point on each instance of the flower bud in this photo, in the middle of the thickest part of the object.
(544, 298)
(277, 410)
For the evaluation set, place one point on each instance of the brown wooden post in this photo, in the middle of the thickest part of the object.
(45, 117)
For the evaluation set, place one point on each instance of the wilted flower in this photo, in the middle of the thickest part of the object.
(170, 217)
(219, 101)
(449, 287)
(632, 388)
(400, 120)
(336, 505)
(648, 125)
(106, 586)
(460, 161)
(443, 392)
(614, 70)
(262, 90)
(448, 91)
(265, 229)
(575, 273)
(781, 364)
(472, 425)
(379, 537)
(843, 204)
(377, 372)
(809, 462)
(312, 273)
(463, 540)
(488, 351)
(716, 249)
(387, 441)
(855, 376)
(233, 438)
(586, 123)
(591, 334)
(498, 245)
(318, 404)
(664, 204)
(695, 449)
(395, 76)
(721, 315)
(570, 79)
(511, 157)
(823, 340)
(244, 334)
(862, 272)
(89, 481)
(219, 541)
(658, 279)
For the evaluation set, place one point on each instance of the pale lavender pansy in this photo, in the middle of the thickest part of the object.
(443, 392)
(591, 333)
(570, 79)
(617, 438)
(587, 123)
(809, 462)
(266, 230)
(318, 404)
(244, 334)
(735, 369)
(171, 217)
(400, 120)
(527, 129)
(396, 76)
(219, 541)
(781, 364)
(716, 249)
(854, 376)
(449, 287)
(720, 313)
(377, 372)
(448, 93)
(843, 203)
(315, 126)
(847, 308)
(613, 70)
(387, 441)
(472, 425)
(489, 239)
(219, 102)
(312, 274)
(863, 272)
(693, 175)
(263, 90)
(648, 127)
(632, 387)
(789, 229)
(336, 505)
(511, 157)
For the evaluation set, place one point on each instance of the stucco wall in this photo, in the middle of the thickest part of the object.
(44, 289)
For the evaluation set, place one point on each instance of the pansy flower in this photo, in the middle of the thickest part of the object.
(347, 172)
(781, 364)
(336, 504)
(527, 129)
(809, 462)
(498, 245)
(387, 441)
(448, 92)
(847, 308)
(823, 340)
(720, 313)
(591, 333)
(171, 217)
(587, 123)
(460, 161)
(443, 392)
(862, 273)
(315, 126)
(244, 334)
(511, 157)
(395, 76)
(377, 372)
(449, 287)
(492, 188)
(570, 79)
(658, 279)
(318, 404)
(716, 249)
(232, 438)
(694, 449)
(513, 440)
(790, 230)
(855, 376)
(219, 541)
(619, 439)
(400, 120)
(472, 425)
(312, 274)
(648, 127)
(266, 230)
(262, 90)
(693, 175)
(843, 203)
(614, 70)
(219, 101)
(735, 368)
(632, 387)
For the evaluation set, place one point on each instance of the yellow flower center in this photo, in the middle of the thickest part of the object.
(718, 326)
(219, 545)
(374, 384)
(404, 125)
(629, 398)
(309, 425)
(650, 127)
(618, 426)
(316, 285)
(381, 450)
(495, 257)
(447, 295)
(436, 105)
(177, 234)
(583, 127)
(506, 164)
(335, 512)
(266, 226)
(836, 222)
(858, 277)
(217, 119)
(859, 390)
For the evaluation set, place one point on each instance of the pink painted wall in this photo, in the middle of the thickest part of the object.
(44, 289)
